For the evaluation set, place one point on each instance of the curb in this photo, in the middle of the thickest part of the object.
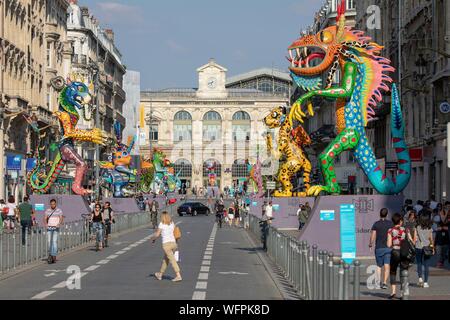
(274, 272)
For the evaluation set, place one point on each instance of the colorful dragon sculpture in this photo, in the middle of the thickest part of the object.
(164, 179)
(117, 172)
(74, 96)
(255, 177)
(359, 91)
(290, 144)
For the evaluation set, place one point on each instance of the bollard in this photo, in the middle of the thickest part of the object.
(356, 280)
(346, 280)
(320, 263)
(324, 275)
(341, 281)
(308, 273)
(314, 272)
(330, 271)
(404, 284)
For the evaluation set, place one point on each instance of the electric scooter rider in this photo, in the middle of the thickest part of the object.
(219, 208)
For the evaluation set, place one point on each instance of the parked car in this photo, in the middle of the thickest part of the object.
(193, 208)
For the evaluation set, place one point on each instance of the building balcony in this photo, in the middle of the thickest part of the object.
(119, 91)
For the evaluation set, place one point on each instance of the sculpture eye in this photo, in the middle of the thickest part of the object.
(125, 154)
(326, 36)
(275, 115)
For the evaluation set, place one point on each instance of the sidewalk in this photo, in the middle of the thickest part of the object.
(439, 280)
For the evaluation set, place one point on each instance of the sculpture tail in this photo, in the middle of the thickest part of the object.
(44, 187)
(379, 180)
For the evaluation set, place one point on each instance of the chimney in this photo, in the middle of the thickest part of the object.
(85, 11)
(109, 34)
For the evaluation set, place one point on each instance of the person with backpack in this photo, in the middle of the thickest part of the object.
(170, 235)
(399, 240)
(231, 215)
(424, 249)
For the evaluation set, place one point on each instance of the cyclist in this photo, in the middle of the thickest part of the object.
(219, 208)
(97, 225)
(108, 217)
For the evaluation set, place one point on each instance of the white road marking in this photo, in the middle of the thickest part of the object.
(234, 273)
(92, 268)
(201, 285)
(204, 270)
(43, 295)
(60, 285)
(203, 276)
(120, 252)
(103, 261)
(113, 256)
(199, 295)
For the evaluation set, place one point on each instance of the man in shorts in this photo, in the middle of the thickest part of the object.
(382, 251)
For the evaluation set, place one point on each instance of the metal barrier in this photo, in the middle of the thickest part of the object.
(15, 254)
(315, 274)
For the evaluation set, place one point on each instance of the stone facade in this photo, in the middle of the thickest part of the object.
(213, 122)
(93, 49)
(424, 72)
(33, 50)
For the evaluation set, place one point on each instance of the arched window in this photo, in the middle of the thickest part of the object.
(212, 126)
(182, 127)
(241, 126)
(240, 169)
(184, 168)
(212, 166)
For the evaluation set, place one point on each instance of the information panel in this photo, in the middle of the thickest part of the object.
(348, 233)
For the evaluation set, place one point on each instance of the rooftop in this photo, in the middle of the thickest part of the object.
(276, 73)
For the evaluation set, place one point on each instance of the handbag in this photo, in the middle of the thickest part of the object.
(427, 250)
(407, 249)
(177, 233)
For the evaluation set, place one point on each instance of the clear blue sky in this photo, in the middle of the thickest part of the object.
(168, 40)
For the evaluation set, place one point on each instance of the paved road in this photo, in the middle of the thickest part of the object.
(216, 264)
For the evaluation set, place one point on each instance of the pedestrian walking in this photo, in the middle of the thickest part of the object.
(246, 216)
(230, 216)
(442, 243)
(264, 225)
(411, 222)
(25, 218)
(269, 212)
(11, 214)
(108, 218)
(397, 240)
(379, 237)
(170, 235)
(154, 207)
(3, 212)
(308, 209)
(219, 210)
(303, 216)
(424, 249)
(237, 215)
(97, 225)
(53, 219)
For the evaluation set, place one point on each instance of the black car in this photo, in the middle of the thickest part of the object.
(193, 208)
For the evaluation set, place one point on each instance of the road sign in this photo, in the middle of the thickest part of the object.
(444, 107)
(348, 233)
(271, 185)
(448, 144)
(391, 165)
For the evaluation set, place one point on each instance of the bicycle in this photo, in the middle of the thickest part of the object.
(219, 219)
(99, 234)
